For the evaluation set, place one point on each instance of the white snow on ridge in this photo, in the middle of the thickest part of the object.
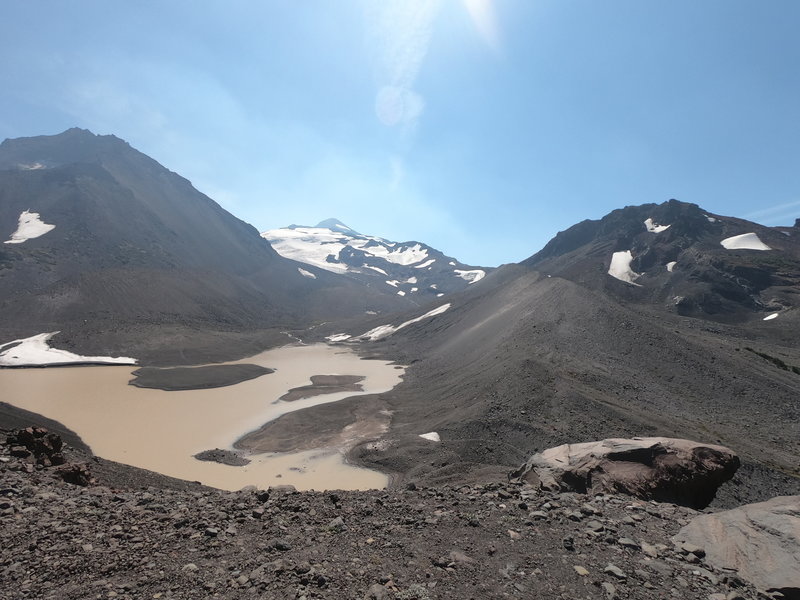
(407, 256)
(621, 267)
(411, 280)
(393, 282)
(427, 263)
(305, 273)
(338, 337)
(401, 293)
(470, 276)
(311, 245)
(383, 331)
(770, 317)
(710, 219)
(654, 227)
(376, 269)
(671, 265)
(432, 436)
(745, 241)
(35, 351)
(30, 226)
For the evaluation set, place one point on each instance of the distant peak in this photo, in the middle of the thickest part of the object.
(336, 225)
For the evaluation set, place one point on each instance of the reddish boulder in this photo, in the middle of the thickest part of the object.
(663, 469)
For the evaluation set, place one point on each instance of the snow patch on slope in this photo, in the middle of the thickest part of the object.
(432, 436)
(338, 337)
(383, 331)
(378, 269)
(745, 241)
(427, 263)
(30, 226)
(770, 317)
(311, 245)
(671, 265)
(305, 273)
(620, 267)
(653, 227)
(35, 351)
(470, 276)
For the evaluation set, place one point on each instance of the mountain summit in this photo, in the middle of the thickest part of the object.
(336, 225)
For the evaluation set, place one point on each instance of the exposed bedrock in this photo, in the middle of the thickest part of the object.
(656, 468)
(760, 541)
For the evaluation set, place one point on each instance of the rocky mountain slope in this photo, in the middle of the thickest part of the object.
(122, 255)
(557, 350)
(409, 269)
(682, 257)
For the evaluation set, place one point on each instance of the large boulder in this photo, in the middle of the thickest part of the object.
(664, 469)
(761, 541)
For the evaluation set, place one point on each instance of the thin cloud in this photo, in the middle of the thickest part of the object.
(775, 214)
(398, 34)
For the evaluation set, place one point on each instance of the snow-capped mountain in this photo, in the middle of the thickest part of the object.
(409, 269)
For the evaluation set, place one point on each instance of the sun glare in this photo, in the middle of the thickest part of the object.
(483, 17)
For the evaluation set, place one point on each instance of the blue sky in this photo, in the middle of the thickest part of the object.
(481, 127)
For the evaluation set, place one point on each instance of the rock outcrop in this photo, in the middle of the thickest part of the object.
(38, 444)
(760, 541)
(664, 469)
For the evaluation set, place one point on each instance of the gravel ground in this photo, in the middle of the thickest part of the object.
(499, 540)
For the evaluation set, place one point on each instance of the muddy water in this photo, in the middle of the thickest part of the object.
(161, 431)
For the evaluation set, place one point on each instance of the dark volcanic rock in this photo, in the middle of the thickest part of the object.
(761, 542)
(37, 442)
(69, 542)
(663, 469)
(225, 457)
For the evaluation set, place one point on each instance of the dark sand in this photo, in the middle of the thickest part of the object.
(196, 378)
(224, 457)
(339, 424)
(325, 384)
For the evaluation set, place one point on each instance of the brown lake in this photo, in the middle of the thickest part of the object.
(162, 430)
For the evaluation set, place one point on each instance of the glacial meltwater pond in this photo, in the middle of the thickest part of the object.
(162, 430)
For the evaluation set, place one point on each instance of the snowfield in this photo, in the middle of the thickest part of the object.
(35, 351)
(338, 337)
(311, 245)
(432, 436)
(620, 267)
(316, 245)
(305, 273)
(745, 241)
(30, 226)
(655, 227)
(383, 331)
(470, 276)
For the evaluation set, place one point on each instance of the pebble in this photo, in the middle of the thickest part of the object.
(615, 571)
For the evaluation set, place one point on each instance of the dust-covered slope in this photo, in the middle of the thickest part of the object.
(134, 250)
(526, 360)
